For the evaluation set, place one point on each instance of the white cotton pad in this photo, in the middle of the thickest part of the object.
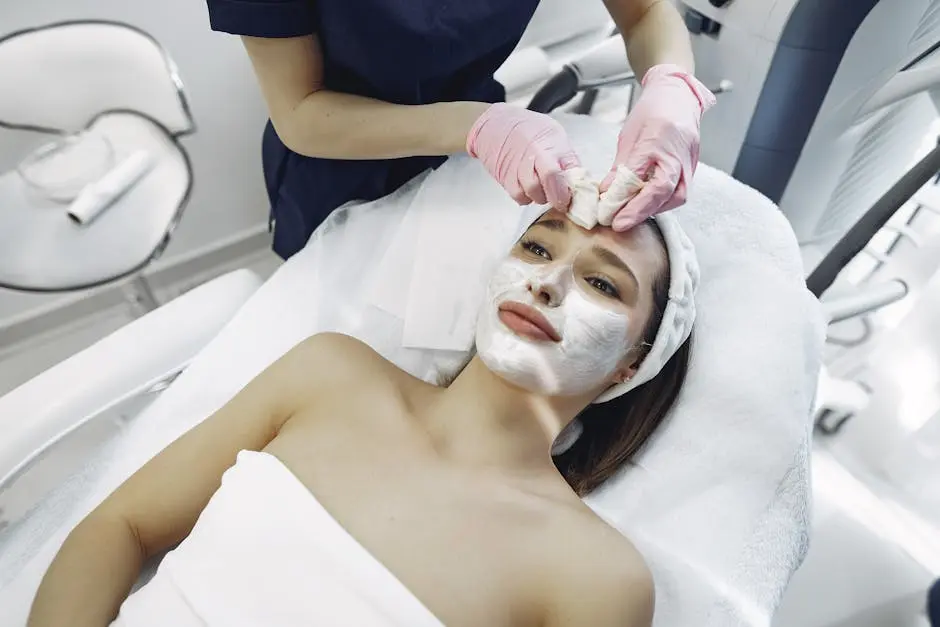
(584, 198)
(625, 186)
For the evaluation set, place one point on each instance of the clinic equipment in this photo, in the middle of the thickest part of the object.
(98, 196)
(96, 92)
(830, 101)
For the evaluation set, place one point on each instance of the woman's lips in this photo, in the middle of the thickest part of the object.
(527, 322)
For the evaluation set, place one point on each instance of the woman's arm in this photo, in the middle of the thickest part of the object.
(158, 505)
(654, 33)
(317, 122)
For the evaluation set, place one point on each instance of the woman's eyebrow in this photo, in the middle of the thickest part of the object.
(613, 259)
(553, 224)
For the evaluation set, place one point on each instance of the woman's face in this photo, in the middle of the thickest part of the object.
(565, 308)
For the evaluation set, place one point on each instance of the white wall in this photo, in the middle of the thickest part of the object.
(228, 195)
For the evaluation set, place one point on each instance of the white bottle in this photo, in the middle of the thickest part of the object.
(98, 196)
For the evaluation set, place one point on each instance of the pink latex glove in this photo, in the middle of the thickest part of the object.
(527, 152)
(660, 143)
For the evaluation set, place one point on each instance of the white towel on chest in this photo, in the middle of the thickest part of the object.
(265, 552)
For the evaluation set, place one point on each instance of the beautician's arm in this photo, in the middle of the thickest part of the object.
(158, 505)
(317, 122)
(654, 33)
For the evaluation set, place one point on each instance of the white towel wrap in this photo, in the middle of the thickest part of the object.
(265, 552)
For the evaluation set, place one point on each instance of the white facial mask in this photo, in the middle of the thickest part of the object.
(593, 339)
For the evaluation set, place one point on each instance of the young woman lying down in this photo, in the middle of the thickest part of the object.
(335, 489)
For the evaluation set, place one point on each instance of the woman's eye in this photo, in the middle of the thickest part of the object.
(536, 249)
(604, 286)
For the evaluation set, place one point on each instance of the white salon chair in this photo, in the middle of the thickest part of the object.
(92, 92)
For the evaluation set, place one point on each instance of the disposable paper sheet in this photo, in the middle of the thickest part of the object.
(449, 280)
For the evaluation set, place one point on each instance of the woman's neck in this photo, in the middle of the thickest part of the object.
(484, 421)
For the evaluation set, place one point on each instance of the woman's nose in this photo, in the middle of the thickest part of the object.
(546, 295)
(547, 290)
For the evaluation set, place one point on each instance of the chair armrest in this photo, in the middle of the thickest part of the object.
(602, 65)
(864, 300)
(525, 68)
(840, 395)
(133, 358)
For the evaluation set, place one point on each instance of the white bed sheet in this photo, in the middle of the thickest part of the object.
(718, 503)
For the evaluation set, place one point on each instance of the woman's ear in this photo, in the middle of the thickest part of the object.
(630, 365)
(625, 373)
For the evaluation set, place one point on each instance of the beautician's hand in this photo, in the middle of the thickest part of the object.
(660, 144)
(526, 152)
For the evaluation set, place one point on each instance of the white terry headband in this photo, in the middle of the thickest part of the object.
(676, 325)
(679, 315)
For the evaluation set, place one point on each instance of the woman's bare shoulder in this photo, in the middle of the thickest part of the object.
(339, 355)
(598, 538)
(332, 342)
(600, 576)
(336, 360)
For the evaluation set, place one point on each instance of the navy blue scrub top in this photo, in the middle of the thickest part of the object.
(933, 604)
(400, 51)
